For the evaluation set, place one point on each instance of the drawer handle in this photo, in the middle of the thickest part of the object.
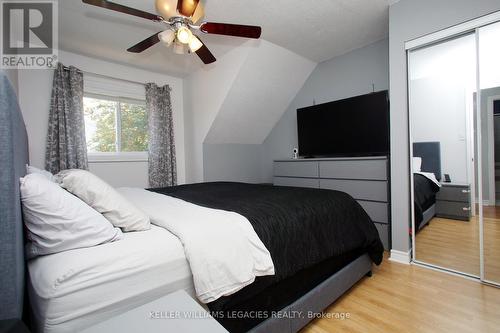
(466, 209)
(465, 191)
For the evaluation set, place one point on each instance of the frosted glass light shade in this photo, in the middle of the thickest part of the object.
(167, 36)
(184, 35)
(179, 48)
(194, 43)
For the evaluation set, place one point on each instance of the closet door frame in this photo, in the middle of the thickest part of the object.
(468, 27)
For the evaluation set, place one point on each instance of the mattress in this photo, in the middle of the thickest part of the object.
(78, 288)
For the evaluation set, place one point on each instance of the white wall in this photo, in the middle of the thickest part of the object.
(345, 76)
(34, 97)
(409, 19)
(266, 83)
(439, 114)
(204, 93)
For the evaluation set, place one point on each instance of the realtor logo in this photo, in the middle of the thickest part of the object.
(28, 34)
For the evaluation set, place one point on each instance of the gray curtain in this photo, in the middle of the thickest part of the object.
(162, 164)
(66, 146)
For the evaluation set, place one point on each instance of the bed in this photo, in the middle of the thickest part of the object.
(426, 182)
(316, 262)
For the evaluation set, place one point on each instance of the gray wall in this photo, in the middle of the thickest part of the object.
(409, 19)
(345, 76)
(232, 162)
(12, 75)
(341, 77)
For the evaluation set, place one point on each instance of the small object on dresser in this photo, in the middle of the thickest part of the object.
(447, 178)
(295, 153)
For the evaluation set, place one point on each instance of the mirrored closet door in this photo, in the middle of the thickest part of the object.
(454, 123)
(489, 82)
(442, 86)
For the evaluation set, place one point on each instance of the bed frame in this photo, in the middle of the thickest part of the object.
(13, 160)
(430, 152)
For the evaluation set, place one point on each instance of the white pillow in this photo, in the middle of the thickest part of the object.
(417, 164)
(58, 221)
(31, 169)
(105, 199)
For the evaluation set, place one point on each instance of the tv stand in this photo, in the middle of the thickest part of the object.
(366, 179)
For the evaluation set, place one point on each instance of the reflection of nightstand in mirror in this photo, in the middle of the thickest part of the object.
(453, 201)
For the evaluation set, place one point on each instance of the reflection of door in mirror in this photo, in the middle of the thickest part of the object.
(442, 85)
(489, 78)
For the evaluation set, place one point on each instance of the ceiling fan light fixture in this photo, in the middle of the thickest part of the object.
(198, 13)
(184, 35)
(167, 36)
(167, 8)
(179, 48)
(194, 44)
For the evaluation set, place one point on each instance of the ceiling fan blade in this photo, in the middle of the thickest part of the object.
(145, 44)
(187, 7)
(205, 55)
(248, 31)
(123, 9)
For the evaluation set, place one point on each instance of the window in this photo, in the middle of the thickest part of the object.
(115, 125)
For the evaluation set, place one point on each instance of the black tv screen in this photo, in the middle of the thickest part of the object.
(356, 126)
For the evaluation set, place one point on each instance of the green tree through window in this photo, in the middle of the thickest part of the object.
(115, 125)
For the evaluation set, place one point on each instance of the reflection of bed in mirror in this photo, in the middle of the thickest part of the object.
(426, 177)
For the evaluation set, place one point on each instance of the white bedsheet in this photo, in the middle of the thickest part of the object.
(431, 176)
(74, 289)
(224, 252)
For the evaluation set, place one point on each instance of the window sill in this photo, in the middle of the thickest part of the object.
(117, 157)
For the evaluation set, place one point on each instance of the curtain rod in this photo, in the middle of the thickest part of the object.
(66, 68)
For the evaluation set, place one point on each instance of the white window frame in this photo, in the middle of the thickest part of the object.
(119, 156)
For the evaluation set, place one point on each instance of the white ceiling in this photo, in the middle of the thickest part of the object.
(318, 30)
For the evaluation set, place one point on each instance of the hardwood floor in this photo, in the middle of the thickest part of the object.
(455, 244)
(450, 243)
(411, 299)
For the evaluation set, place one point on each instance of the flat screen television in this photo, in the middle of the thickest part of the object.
(356, 126)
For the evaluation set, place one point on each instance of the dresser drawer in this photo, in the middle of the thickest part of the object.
(454, 193)
(297, 182)
(296, 169)
(354, 169)
(378, 211)
(358, 189)
(453, 210)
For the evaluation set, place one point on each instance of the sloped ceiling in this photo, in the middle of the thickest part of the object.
(239, 98)
(268, 80)
(317, 30)
(204, 93)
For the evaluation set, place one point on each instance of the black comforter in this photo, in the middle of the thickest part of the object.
(425, 196)
(300, 227)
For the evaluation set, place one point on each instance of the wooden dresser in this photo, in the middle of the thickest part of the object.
(366, 179)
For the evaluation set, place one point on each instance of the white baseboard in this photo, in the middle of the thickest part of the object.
(400, 257)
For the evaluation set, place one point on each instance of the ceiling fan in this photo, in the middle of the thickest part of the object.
(180, 17)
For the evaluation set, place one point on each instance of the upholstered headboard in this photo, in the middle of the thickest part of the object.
(13, 160)
(430, 152)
